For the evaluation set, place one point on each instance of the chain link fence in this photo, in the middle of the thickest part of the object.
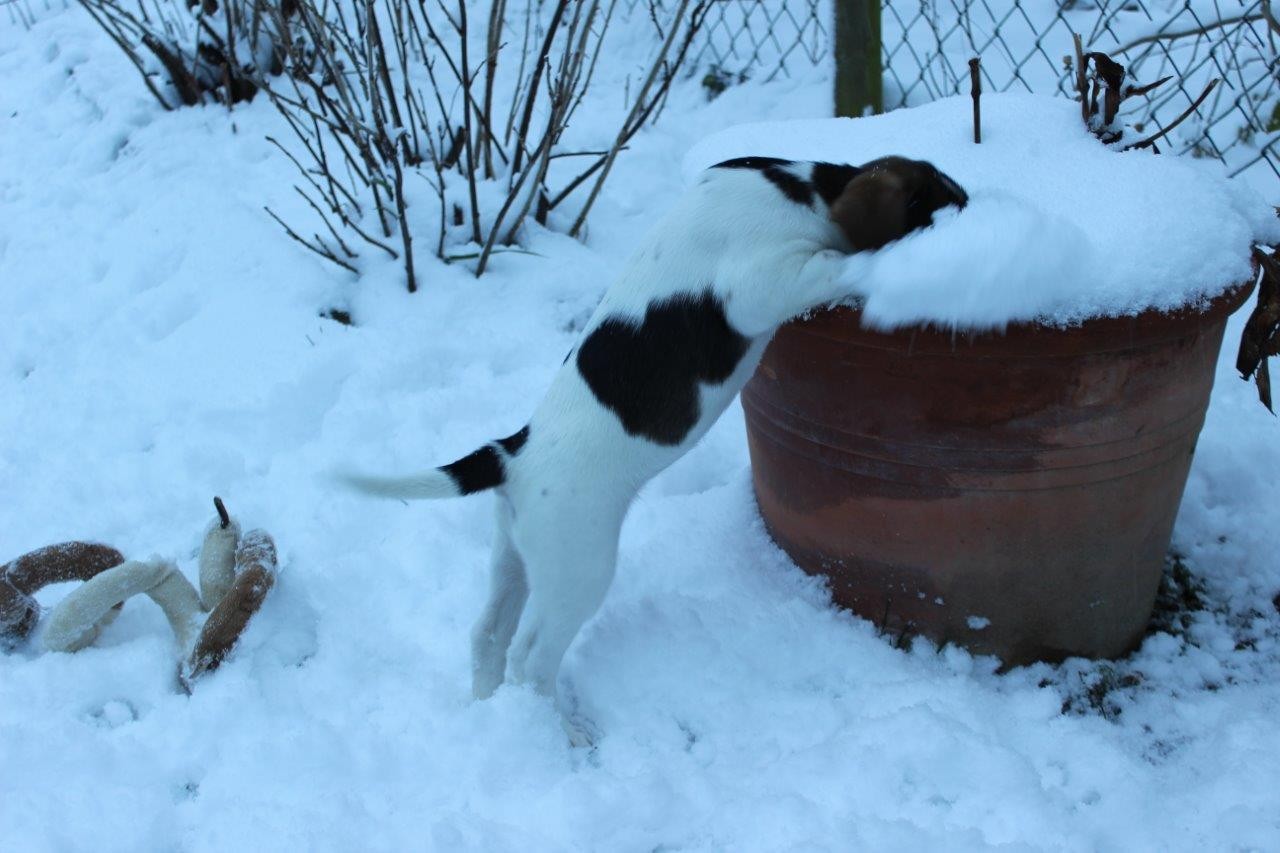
(1026, 45)
(742, 37)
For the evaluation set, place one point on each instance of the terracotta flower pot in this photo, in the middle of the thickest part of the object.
(1014, 493)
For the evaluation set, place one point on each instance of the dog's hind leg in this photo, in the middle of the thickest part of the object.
(569, 574)
(508, 591)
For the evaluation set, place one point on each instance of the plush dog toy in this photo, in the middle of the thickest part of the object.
(236, 573)
(755, 243)
(20, 579)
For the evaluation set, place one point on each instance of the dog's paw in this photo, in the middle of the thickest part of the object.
(583, 734)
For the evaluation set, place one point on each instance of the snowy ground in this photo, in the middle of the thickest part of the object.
(162, 343)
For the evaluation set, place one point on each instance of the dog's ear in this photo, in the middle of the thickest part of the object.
(873, 209)
(890, 198)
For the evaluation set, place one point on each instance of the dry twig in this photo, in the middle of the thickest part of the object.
(358, 93)
(975, 80)
(1151, 140)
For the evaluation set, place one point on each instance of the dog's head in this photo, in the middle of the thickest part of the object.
(890, 198)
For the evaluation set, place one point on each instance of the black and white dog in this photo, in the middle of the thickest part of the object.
(755, 243)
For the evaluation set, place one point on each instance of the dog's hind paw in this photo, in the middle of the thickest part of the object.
(583, 734)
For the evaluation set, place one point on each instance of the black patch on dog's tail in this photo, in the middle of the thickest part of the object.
(479, 470)
(512, 443)
(484, 468)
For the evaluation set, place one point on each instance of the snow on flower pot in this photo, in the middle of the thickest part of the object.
(1013, 492)
(992, 446)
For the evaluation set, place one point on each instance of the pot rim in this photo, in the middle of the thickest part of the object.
(1037, 339)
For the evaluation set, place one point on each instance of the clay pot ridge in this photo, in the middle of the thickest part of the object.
(1028, 480)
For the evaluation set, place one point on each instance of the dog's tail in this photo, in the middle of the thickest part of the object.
(478, 471)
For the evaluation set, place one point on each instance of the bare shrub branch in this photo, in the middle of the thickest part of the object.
(394, 85)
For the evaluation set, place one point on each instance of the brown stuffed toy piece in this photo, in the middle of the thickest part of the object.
(255, 574)
(20, 579)
(236, 573)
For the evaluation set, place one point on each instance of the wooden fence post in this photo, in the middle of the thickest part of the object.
(859, 88)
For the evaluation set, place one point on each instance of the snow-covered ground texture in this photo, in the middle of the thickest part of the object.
(162, 343)
(1059, 226)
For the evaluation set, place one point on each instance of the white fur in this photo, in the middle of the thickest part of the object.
(568, 489)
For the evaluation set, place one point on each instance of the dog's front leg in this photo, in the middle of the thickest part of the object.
(767, 293)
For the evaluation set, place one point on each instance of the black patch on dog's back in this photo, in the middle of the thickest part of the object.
(511, 444)
(773, 170)
(830, 179)
(648, 374)
(759, 163)
(792, 187)
(479, 470)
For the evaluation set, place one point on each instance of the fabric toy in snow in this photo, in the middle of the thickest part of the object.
(218, 556)
(236, 573)
(22, 578)
(255, 567)
(81, 616)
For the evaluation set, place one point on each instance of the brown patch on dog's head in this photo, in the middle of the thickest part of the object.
(890, 198)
